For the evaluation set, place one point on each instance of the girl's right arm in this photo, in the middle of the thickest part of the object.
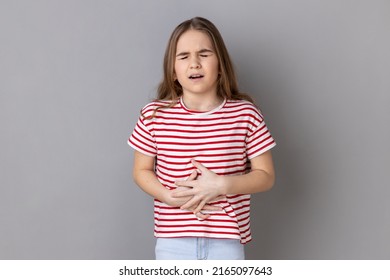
(146, 179)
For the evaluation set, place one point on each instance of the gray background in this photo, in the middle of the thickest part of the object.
(74, 75)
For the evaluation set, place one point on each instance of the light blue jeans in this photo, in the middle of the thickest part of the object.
(199, 248)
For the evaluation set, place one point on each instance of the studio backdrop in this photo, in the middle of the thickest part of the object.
(75, 74)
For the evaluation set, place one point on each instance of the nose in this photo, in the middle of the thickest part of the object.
(195, 63)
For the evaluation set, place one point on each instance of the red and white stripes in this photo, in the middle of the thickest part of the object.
(223, 140)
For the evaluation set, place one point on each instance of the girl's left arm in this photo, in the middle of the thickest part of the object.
(210, 186)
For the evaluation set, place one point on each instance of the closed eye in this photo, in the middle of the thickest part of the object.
(205, 52)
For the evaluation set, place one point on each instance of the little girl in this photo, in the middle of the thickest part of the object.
(201, 149)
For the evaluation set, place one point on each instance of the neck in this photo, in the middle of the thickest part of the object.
(202, 103)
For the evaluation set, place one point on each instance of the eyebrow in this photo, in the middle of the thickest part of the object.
(201, 51)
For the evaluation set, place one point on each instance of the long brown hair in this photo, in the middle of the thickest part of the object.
(227, 88)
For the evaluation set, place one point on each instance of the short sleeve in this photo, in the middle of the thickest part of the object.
(259, 140)
(142, 139)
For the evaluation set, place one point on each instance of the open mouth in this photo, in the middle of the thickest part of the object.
(196, 76)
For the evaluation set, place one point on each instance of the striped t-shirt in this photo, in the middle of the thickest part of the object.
(223, 140)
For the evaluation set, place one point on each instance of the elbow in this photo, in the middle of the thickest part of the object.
(136, 176)
(263, 182)
(271, 182)
(268, 183)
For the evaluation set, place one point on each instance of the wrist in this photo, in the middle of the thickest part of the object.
(166, 196)
(223, 185)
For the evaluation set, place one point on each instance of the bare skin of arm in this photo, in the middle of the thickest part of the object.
(208, 185)
(145, 178)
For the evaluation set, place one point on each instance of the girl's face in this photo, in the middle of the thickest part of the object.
(196, 64)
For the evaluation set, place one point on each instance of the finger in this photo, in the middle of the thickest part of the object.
(211, 208)
(192, 203)
(182, 193)
(193, 176)
(202, 216)
(206, 209)
(181, 189)
(190, 184)
(199, 207)
(198, 165)
(218, 198)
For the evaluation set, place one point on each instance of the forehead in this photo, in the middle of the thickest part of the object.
(193, 40)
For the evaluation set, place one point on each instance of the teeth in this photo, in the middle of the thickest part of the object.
(195, 76)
